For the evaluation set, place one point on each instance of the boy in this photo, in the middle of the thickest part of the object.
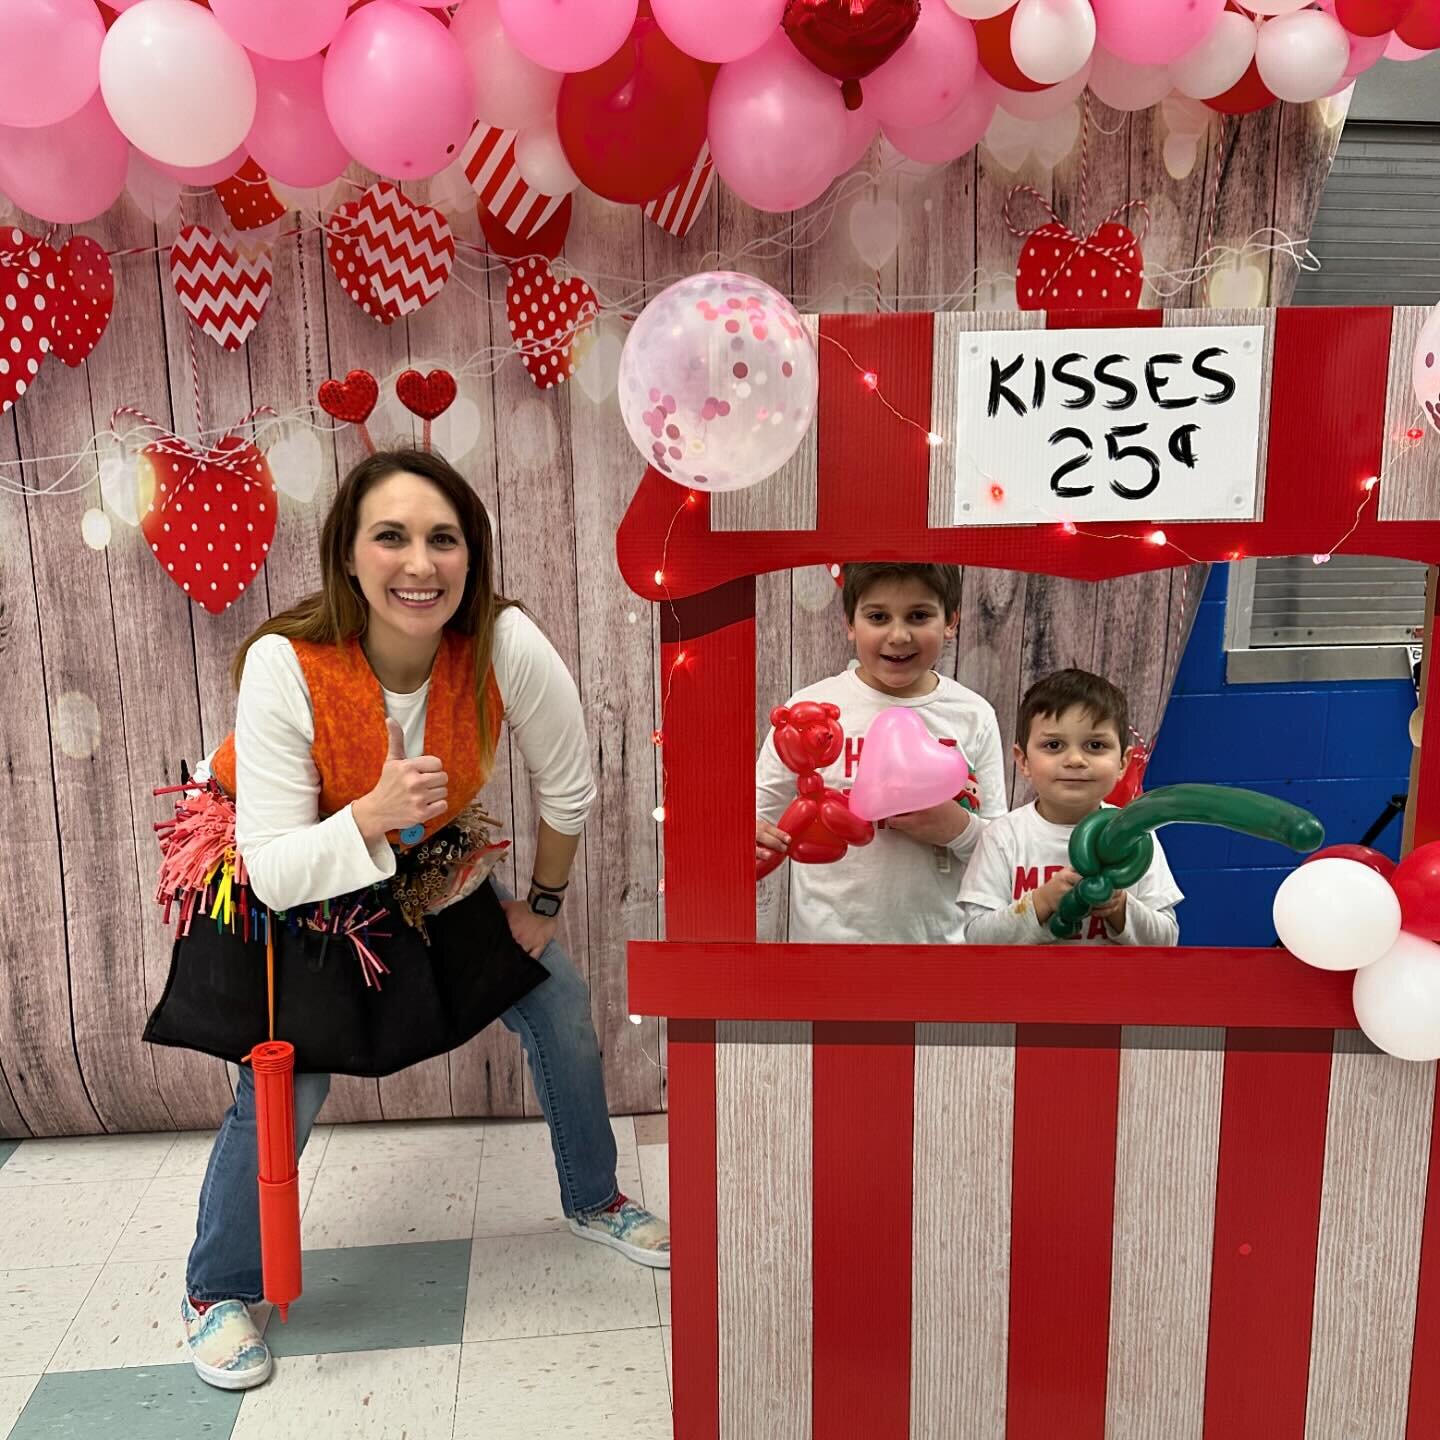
(1071, 748)
(904, 885)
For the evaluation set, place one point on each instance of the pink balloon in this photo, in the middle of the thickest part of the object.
(68, 172)
(49, 59)
(903, 767)
(861, 127)
(511, 91)
(398, 91)
(952, 135)
(292, 138)
(281, 29)
(1153, 32)
(777, 127)
(712, 32)
(222, 169)
(1365, 51)
(928, 76)
(568, 35)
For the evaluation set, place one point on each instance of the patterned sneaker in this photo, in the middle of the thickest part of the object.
(225, 1346)
(630, 1229)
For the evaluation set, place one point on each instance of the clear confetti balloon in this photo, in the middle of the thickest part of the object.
(718, 381)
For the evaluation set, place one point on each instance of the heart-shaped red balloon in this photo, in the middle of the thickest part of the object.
(849, 38)
(428, 396)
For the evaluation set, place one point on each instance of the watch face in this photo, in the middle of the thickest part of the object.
(546, 905)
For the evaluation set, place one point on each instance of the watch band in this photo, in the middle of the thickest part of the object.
(544, 904)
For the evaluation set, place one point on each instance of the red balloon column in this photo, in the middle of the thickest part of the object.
(273, 1063)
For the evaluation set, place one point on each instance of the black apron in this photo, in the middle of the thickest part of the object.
(436, 996)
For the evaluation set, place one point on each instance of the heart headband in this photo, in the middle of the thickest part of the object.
(354, 398)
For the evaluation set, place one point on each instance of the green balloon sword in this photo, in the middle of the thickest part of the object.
(1113, 848)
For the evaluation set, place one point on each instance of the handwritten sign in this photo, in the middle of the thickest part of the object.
(1105, 425)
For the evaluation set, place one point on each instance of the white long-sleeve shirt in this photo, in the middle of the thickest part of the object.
(292, 855)
(893, 890)
(1018, 853)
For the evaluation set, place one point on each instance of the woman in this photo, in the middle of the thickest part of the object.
(366, 724)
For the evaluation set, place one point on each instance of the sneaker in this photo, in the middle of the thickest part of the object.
(225, 1346)
(630, 1229)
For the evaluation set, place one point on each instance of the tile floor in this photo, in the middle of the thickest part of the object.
(444, 1298)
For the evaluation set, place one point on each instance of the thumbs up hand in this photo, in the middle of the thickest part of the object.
(409, 792)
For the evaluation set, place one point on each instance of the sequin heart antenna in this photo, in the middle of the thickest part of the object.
(354, 398)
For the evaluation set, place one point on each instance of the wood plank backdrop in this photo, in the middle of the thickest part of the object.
(112, 678)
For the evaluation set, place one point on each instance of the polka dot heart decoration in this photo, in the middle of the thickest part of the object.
(547, 318)
(209, 517)
(27, 301)
(86, 286)
(718, 381)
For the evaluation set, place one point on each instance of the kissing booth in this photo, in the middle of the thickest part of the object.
(1031, 1192)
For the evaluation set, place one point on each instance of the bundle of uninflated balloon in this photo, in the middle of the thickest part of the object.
(621, 96)
(1352, 908)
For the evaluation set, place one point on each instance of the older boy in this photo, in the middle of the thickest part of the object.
(904, 886)
(1071, 732)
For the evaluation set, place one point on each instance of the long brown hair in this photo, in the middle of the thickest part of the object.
(338, 611)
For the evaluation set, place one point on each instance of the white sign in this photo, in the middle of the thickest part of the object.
(1105, 425)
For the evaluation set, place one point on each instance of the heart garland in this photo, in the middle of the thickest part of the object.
(223, 292)
(407, 250)
(27, 291)
(547, 317)
(210, 516)
(1059, 270)
(248, 199)
(342, 250)
(87, 297)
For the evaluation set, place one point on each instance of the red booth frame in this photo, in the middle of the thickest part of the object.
(1326, 433)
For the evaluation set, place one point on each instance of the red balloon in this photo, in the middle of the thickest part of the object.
(993, 39)
(849, 38)
(633, 127)
(1382, 864)
(1370, 17)
(1417, 884)
(1246, 94)
(1420, 26)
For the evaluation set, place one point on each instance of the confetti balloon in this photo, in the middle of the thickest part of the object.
(718, 381)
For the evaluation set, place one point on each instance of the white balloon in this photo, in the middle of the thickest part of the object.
(1336, 914)
(1051, 39)
(718, 381)
(1397, 999)
(1123, 86)
(1218, 61)
(1302, 56)
(1275, 7)
(511, 91)
(1040, 104)
(541, 161)
(979, 9)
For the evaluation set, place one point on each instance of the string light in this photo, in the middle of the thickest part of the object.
(658, 814)
(657, 737)
(1234, 554)
(934, 438)
(1372, 482)
(1068, 528)
(1156, 537)
(870, 380)
(1319, 559)
(1415, 433)
(659, 577)
(997, 493)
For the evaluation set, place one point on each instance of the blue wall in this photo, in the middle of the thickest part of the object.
(1340, 749)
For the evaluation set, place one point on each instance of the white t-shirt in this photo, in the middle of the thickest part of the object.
(893, 890)
(292, 855)
(1018, 853)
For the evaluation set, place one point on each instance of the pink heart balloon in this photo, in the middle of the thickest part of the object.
(903, 767)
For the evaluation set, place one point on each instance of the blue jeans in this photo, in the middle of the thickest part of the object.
(554, 1026)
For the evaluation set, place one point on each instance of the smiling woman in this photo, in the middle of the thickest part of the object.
(360, 922)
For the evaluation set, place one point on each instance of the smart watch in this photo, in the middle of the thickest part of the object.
(546, 900)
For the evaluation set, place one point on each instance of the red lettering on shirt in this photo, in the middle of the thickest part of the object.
(1097, 929)
(853, 747)
(1026, 880)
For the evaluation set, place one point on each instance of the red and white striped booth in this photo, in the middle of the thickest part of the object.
(1050, 1193)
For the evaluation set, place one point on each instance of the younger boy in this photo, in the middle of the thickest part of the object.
(1071, 732)
(904, 885)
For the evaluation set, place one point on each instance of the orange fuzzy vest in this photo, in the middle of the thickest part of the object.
(350, 738)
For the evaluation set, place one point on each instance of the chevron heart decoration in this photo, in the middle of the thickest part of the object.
(223, 292)
(407, 250)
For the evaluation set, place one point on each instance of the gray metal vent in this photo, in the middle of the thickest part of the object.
(1350, 600)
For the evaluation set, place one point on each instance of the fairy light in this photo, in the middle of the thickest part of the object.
(657, 737)
(659, 577)
(1319, 559)
(934, 438)
(1415, 433)
(634, 1019)
(870, 380)
(1157, 538)
(1372, 482)
(1234, 555)
(1068, 528)
(997, 493)
(658, 814)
